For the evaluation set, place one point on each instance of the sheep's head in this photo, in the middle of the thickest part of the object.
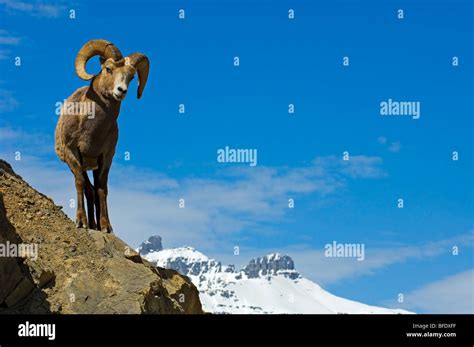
(117, 71)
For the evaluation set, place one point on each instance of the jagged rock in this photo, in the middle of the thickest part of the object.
(132, 255)
(183, 291)
(230, 268)
(153, 244)
(77, 270)
(45, 278)
(270, 264)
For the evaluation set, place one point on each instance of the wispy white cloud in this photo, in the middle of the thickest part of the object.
(452, 294)
(7, 101)
(10, 134)
(33, 8)
(232, 200)
(395, 147)
(359, 166)
(4, 54)
(32, 144)
(313, 263)
(8, 39)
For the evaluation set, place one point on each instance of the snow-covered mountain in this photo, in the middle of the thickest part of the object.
(266, 285)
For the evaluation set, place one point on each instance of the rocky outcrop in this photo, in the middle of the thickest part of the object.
(63, 269)
(270, 265)
(153, 244)
(193, 269)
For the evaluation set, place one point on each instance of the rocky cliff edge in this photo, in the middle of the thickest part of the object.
(47, 265)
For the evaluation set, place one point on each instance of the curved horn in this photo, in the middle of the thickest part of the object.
(140, 62)
(92, 48)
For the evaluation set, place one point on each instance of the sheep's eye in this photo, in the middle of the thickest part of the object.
(108, 69)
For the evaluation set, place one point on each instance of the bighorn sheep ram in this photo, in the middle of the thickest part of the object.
(86, 142)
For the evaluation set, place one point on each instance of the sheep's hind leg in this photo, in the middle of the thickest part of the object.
(101, 192)
(73, 161)
(89, 190)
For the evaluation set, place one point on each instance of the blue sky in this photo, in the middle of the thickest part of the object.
(282, 61)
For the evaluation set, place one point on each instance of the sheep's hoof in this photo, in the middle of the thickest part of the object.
(107, 229)
(81, 224)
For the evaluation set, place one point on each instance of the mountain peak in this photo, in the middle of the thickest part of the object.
(153, 244)
(270, 264)
(188, 253)
(268, 284)
(187, 259)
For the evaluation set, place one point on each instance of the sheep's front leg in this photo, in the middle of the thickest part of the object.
(81, 217)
